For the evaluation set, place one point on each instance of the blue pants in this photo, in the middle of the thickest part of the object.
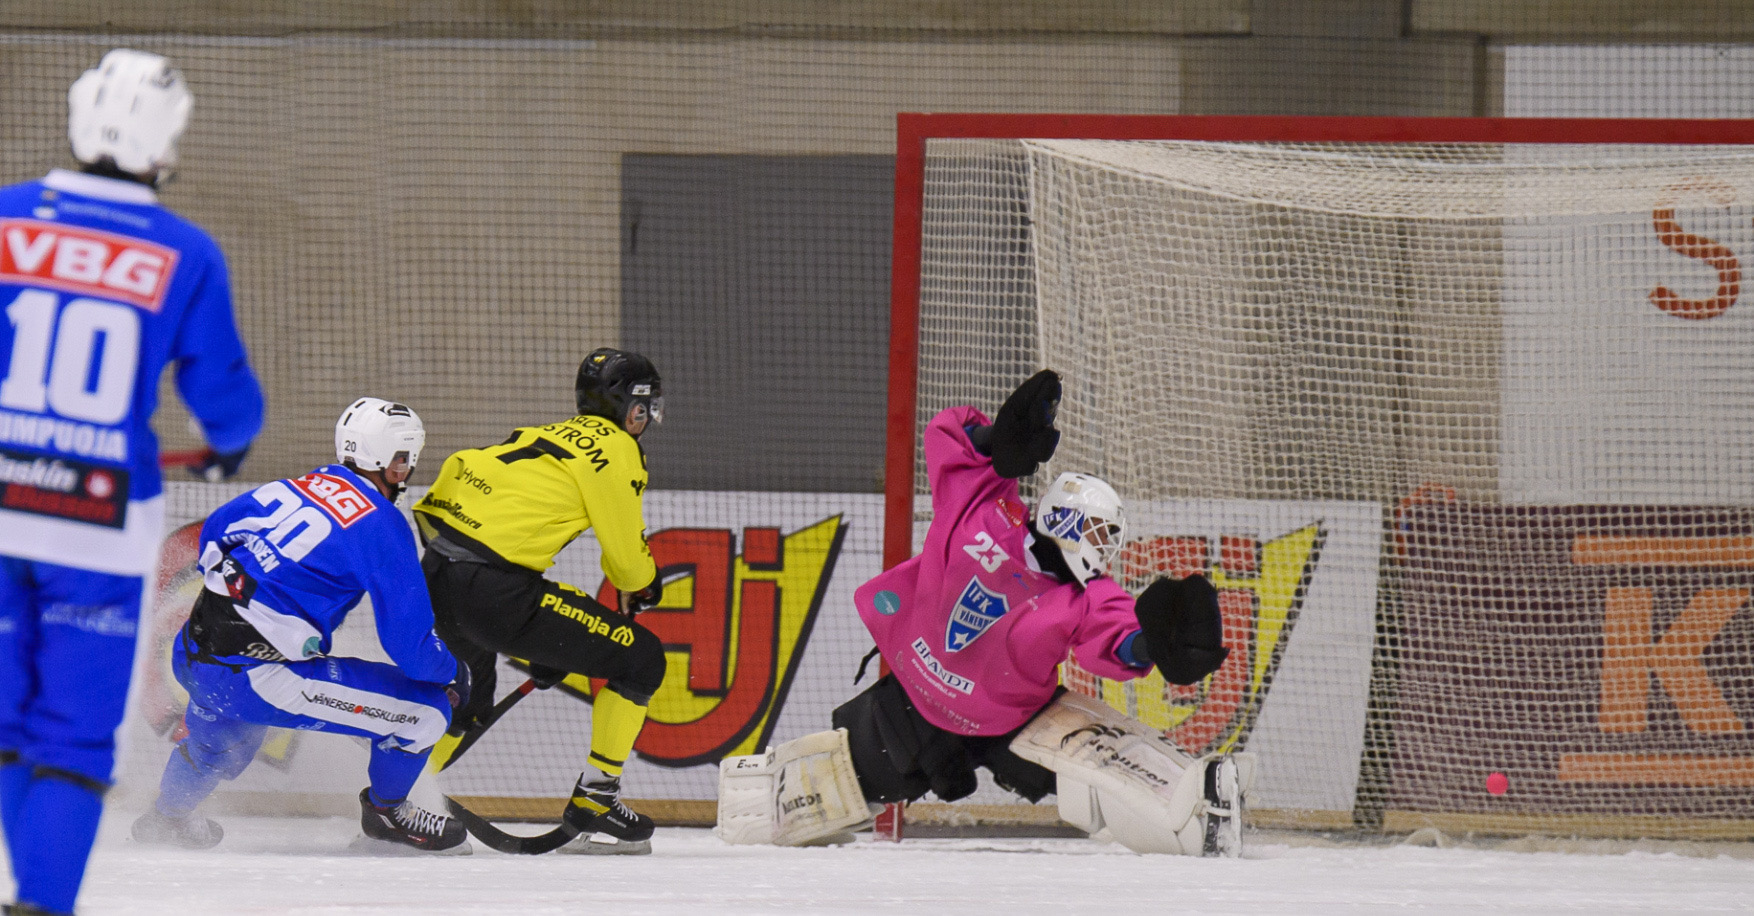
(231, 707)
(66, 653)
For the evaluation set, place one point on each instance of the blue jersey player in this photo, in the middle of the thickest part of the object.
(283, 565)
(102, 288)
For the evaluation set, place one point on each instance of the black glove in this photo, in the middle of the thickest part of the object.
(1023, 434)
(1184, 631)
(214, 466)
(457, 691)
(544, 676)
(632, 603)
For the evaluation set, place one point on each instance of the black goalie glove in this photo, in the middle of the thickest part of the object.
(1184, 631)
(1023, 435)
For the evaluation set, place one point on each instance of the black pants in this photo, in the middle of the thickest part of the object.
(482, 610)
(899, 756)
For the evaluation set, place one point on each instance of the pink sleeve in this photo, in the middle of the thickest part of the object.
(1109, 621)
(958, 475)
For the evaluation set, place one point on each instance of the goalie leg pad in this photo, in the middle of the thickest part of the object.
(1113, 818)
(1115, 773)
(1079, 804)
(802, 792)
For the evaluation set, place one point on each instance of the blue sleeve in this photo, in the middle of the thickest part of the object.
(214, 526)
(1128, 652)
(219, 519)
(213, 371)
(401, 604)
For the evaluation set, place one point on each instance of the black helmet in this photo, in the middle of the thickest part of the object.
(612, 382)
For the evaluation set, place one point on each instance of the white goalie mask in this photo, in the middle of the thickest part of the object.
(372, 433)
(1083, 515)
(131, 109)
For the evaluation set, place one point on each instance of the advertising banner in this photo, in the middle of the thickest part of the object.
(1596, 656)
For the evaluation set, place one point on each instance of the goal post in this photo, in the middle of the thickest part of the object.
(1454, 411)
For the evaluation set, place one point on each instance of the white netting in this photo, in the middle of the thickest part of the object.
(1458, 429)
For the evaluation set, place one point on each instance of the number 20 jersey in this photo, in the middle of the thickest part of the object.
(302, 552)
(102, 288)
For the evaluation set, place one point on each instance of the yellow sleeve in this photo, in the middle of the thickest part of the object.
(611, 476)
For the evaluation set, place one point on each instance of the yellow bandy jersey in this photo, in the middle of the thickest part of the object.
(529, 496)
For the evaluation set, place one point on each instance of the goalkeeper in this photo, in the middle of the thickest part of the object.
(973, 630)
(493, 522)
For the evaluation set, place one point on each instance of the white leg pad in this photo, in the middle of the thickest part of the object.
(1117, 776)
(1079, 804)
(798, 793)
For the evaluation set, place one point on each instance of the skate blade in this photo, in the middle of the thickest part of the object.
(363, 845)
(599, 844)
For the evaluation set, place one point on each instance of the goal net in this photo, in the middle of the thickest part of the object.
(1455, 413)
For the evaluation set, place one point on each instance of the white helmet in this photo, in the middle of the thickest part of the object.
(372, 432)
(130, 109)
(1083, 515)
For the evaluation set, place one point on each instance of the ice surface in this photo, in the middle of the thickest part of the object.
(301, 866)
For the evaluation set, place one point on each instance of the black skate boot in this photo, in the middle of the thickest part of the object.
(188, 831)
(605, 825)
(409, 826)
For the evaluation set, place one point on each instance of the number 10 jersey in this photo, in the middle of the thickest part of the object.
(101, 289)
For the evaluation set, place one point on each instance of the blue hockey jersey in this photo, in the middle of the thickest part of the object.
(103, 288)
(309, 548)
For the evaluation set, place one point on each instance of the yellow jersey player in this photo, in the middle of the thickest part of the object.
(493, 522)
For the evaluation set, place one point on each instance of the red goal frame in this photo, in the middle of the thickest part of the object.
(913, 130)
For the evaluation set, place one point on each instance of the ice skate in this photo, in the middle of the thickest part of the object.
(1223, 810)
(605, 825)
(188, 831)
(26, 909)
(408, 828)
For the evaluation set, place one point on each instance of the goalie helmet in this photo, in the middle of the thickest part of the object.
(372, 433)
(622, 387)
(1083, 516)
(129, 110)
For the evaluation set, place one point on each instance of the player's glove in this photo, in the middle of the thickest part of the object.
(214, 466)
(545, 677)
(632, 603)
(1184, 631)
(457, 691)
(1023, 434)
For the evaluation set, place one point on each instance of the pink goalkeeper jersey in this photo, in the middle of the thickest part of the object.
(970, 627)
